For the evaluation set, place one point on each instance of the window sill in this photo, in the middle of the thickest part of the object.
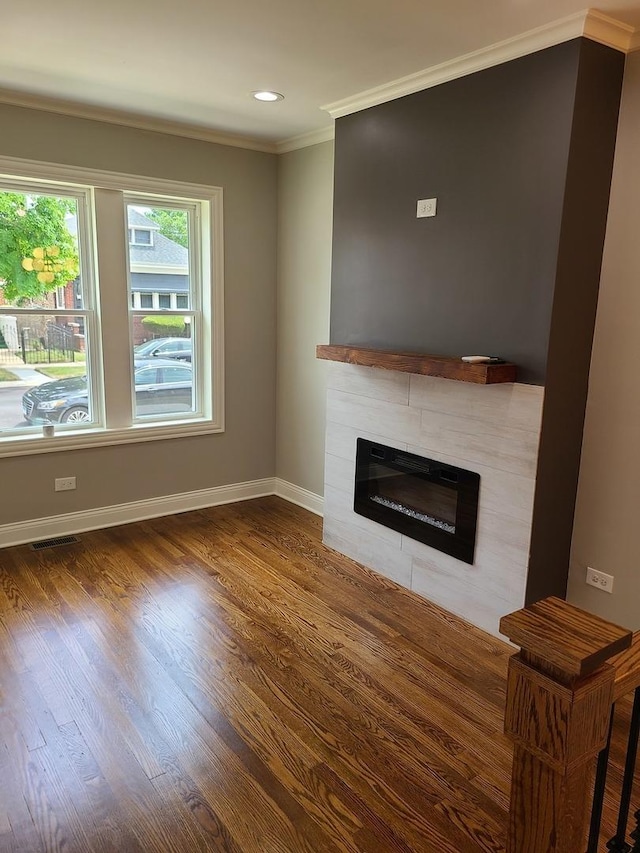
(101, 437)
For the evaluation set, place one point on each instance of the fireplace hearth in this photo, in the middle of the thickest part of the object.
(425, 499)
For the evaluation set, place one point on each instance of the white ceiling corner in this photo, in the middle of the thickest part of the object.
(305, 140)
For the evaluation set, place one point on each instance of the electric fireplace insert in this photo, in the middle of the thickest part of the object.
(422, 498)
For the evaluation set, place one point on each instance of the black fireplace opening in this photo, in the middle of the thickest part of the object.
(422, 498)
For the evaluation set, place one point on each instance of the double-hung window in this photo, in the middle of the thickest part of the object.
(110, 308)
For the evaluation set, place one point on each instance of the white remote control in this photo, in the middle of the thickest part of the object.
(477, 359)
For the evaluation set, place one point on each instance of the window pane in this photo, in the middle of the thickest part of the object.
(146, 300)
(164, 397)
(159, 254)
(163, 269)
(40, 259)
(163, 375)
(142, 237)
(44, 372)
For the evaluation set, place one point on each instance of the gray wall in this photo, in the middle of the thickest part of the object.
(606, 532)
(493, 148)
(246, 451)
(305, 184)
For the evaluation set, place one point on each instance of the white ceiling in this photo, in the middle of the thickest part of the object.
(196, 61)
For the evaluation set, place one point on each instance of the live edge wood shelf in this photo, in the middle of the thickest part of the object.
(444, 367)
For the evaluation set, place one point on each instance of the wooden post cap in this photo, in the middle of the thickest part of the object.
(565, 637)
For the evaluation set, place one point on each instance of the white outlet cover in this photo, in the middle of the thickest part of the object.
(600, 580)
(426, 207)
(64, 484)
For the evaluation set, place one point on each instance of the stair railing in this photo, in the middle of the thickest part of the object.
(626, 666)
(561, 688)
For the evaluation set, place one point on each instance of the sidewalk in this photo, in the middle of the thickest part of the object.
(27, 377)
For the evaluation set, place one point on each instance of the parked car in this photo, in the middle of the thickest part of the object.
(179, 348)
(161, 387)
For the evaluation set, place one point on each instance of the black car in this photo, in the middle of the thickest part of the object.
(179, 348)
(161, 385)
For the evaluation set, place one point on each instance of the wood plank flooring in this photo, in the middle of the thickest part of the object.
(220, 681)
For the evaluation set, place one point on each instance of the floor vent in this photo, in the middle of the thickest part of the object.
(53, 543)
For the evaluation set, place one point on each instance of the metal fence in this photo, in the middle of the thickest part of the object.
(56, 345)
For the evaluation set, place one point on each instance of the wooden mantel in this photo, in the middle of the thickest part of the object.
(445, 367)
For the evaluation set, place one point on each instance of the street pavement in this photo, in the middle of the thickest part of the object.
(11, 395)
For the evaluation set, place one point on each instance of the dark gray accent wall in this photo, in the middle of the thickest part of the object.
(520, 158)
(584, 219)
(479, 277)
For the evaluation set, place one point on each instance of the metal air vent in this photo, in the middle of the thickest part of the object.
(53, 543)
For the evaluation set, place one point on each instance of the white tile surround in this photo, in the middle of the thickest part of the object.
(493, 430)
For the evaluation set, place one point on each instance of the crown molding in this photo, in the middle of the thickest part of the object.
(588, 23)
(126, 119)
(159, 125)
(601, 28)
(304, 140)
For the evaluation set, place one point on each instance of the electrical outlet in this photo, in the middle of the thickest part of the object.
(65, 484)
(600, 580)
(426, 207)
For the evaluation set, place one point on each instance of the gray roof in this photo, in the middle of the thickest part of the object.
(139, 220)
(164, 252)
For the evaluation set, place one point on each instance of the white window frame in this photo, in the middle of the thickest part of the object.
(113, 360)
(200, 308)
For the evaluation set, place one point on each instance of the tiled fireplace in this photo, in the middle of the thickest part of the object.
(492, 430)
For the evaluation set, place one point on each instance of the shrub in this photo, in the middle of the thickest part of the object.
(158, 326)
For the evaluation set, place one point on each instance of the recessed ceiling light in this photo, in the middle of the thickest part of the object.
(268, 96)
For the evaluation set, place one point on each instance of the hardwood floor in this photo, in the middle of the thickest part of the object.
(220, 681)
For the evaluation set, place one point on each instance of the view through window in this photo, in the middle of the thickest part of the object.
(60, 371)
(46, 315)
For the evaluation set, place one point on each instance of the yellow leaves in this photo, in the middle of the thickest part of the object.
(43, 262)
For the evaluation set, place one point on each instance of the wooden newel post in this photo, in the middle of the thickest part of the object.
(559, 697)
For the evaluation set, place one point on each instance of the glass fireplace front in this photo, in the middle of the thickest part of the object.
(422, 498)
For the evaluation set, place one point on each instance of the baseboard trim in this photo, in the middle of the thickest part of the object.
(110, 516)
(36, 529)
(299, 496)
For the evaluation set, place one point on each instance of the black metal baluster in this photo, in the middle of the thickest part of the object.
(598, 791)
(636, 834)
(618, 843)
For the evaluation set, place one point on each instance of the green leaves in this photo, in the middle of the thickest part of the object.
(173, 224)
(29, 223)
